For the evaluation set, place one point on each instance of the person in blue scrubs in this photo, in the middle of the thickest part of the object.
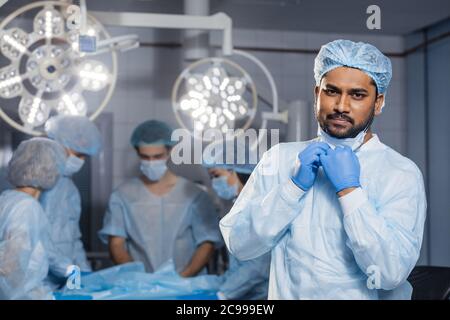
(244, 280)
(62, 204)
(24, 235)
(342, 214)
(159, 216)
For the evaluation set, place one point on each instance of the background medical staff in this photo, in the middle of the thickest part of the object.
(159, 216)
(24, 231)
(62, 204)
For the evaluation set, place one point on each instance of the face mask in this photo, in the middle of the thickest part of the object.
(153, 170)
(73, 165)
(223, 189)
(353, 143)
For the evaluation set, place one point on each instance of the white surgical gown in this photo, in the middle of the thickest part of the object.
(157, 228)
(323, 247)
(24, 260)
(247, 280)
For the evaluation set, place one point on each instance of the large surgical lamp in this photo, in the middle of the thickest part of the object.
(65, 55)
(206, 96)
(214, 93)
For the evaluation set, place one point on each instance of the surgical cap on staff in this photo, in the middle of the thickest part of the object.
(242, 160)
(37, 163)
(360, 55)
(77, 133)
(152, 132)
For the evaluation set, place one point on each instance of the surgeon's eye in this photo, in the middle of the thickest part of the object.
(144, 156)
(358, 96)
(330, 92)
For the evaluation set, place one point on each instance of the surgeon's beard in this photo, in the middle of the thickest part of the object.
(351, 132)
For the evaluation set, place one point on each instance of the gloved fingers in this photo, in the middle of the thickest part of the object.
(312, 159)
(314, 147)
(344, 154)
(321, 145)
(314, 166)
(312, 152)
(321, 152)
(355, 158)
(317, 157)
(325, 158)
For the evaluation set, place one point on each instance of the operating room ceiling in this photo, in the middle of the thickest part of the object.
(398, 17)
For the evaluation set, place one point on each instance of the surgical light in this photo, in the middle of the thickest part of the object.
(47, 70)
(10, 83)
(13, 43)
(94, 75)
(214, 93)
(33, 111)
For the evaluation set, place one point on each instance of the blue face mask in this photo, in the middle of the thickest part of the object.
(153, 170)
(73, 165)
(223, 189)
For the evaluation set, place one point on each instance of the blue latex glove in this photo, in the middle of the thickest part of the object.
(307, 165)
(341, 165)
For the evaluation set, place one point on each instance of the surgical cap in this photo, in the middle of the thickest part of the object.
(77, 133)
(37, 162)
(152, 132)
(358, 55)
(243, 157)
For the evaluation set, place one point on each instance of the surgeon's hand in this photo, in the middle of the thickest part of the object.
(308, 163)
(341, 165)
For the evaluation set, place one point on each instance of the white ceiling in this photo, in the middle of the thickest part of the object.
(398, 17)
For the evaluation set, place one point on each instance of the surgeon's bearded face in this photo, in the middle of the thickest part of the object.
(346, 102)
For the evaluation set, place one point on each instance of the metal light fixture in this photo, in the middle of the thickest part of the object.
(49, 71)
(214, 93)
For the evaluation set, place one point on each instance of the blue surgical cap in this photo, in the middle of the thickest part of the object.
(152, 132)
(360, 55)
(77, 133)
(243, 158)
(37, 162)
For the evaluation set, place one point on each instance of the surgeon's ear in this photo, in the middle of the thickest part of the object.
(379, 104)
(316, 92)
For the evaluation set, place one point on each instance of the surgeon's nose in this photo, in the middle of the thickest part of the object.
(343, 104)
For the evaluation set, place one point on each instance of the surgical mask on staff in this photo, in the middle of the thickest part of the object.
(153, 169)
(223, 189)
(73, 165)
(353, 143)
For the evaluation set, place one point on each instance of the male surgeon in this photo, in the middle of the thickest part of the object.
(342, 214)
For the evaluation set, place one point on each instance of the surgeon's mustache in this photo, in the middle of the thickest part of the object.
(340, 116)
